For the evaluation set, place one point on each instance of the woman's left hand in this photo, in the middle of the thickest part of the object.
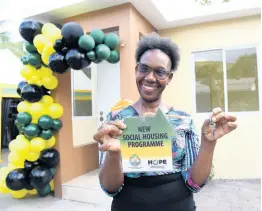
(225, 123)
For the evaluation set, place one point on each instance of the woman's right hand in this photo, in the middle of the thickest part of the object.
(107, 135)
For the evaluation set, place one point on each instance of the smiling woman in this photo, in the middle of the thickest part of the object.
(157, 59)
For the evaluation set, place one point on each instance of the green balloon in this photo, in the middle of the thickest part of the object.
(91, 55)
(30, 48)
(45, 191)
(23, 118)
(46, 134)
(114, 57)
(102, 52)
(34, 59)
(45, 122)
(57, 124)
(98, 35)
(86, 42)
(53, 170)
(111, 40)
(31, 130)
(20, 129)
(24, 60)
(17, 124)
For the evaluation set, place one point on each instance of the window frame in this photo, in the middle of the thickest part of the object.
(93, 117)
(224, 49)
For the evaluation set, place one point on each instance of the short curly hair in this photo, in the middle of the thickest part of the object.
(154, 41)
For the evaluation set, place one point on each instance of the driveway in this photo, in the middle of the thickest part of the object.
(216, 196)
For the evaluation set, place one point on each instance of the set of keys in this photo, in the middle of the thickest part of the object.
(212, 127)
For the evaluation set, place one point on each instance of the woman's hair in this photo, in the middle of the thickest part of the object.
(154, 41)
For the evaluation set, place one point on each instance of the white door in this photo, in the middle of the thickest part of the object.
(108, 88)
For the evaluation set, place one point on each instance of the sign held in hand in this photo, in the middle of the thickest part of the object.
(146, 144)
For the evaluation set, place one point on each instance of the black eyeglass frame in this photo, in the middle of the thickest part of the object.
(154, 71)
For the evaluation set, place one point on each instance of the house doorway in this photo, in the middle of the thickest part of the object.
(9, 112)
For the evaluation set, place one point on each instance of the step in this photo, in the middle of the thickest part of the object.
(86, 188)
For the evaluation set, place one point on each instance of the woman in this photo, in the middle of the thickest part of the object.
(157, 58)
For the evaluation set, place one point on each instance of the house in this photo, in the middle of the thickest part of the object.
(220, 63)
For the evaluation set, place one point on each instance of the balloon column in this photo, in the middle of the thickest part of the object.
(33, 158)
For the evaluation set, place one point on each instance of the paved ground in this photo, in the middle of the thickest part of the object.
(219, 195)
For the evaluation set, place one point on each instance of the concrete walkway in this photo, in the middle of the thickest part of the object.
(216, 196)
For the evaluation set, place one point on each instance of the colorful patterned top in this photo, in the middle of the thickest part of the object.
(185, 145)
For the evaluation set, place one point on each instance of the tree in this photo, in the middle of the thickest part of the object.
(6, 42)
(209, 2)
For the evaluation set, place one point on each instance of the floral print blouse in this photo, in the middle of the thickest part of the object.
(185, 146)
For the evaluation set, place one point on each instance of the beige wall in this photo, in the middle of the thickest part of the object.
(238, 154)
(84, 158)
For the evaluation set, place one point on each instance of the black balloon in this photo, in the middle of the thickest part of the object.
(17, 179)
(65, 50)
(71, 32)
(57, 63)
(29, 29)
(45, 90)
(39, 177)
(32, 93)
(28, 166)
(20, 86)
(59, 45)
(49, 158)
(76, 60)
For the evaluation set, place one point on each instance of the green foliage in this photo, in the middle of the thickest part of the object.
(6, 43)
(209, 2)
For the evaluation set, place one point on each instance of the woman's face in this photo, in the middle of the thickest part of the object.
(150, 87)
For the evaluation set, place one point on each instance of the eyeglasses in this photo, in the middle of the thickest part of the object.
(159, 73)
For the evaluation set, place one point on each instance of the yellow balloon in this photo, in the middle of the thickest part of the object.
(36, 110)
(50, 142)
(27, 71)
(18, 194)
(20, 137)
(4, 171)
(44, 72)
(47, 27)
(21, 146)
(3, 188)
(47, 100)
(55, 110)
(50, 82)
(47, 52)
(37, 144)
(35, 79)
(40, 42)
(35, 120)
(11, 145)
(23, 106)
(33, 156)
(16, 159)
(52, 185)
(53, 35)
(12, 166)
(32, 192)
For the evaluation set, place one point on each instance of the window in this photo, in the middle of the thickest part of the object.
(226, 79)
(82, 92)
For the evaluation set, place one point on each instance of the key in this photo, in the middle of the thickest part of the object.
(212, 126)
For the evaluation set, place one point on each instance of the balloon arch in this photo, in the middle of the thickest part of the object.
(50, 49)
